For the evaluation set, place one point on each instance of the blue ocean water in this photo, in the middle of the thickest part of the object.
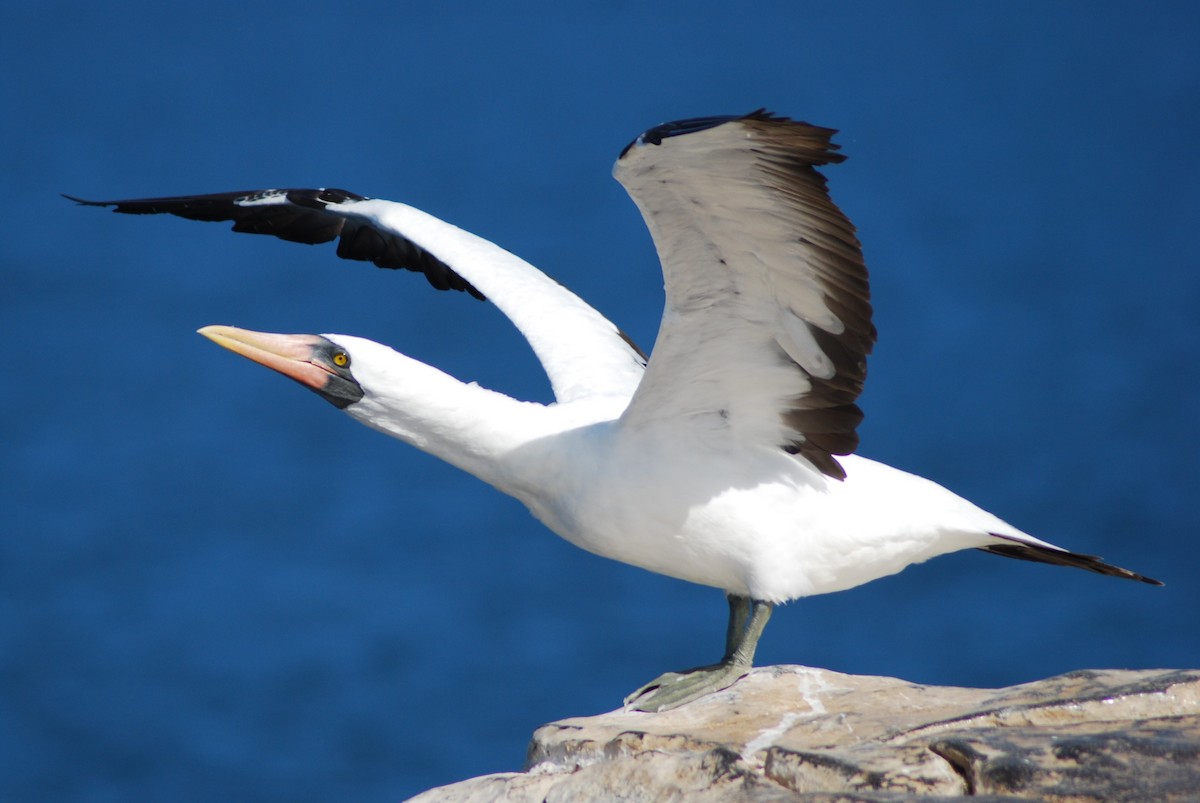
(216, 587)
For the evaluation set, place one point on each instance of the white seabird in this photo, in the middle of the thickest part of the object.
(726, 459)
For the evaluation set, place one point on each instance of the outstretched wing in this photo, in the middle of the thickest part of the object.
(301, 216)
(583, 353)
(767, 323)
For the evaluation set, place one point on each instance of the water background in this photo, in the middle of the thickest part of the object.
(214, 587)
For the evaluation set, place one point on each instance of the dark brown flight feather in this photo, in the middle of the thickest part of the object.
(825, 419)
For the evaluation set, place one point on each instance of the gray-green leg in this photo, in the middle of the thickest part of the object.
(739, 613)
(747, 618)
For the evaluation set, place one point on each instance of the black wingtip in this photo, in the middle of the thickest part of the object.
(85, 202)
(301, 216)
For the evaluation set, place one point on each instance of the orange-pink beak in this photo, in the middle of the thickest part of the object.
(290, 355)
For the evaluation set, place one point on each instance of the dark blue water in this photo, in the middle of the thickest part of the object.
(214, 587)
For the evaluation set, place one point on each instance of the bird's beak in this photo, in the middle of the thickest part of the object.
(291, 355)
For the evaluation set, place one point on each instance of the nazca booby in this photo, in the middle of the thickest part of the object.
(726, 459)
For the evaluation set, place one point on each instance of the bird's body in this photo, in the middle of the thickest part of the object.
(753, 521)
(757, 527)
(727, 459)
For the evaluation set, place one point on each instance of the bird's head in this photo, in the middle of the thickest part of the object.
(388, 391)
(319, 363)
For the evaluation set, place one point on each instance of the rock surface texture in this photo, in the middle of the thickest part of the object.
(789, 733)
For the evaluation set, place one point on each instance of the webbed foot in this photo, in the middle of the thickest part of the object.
(747, 618)
(673, 689)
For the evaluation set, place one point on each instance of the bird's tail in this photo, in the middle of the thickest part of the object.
(1021, 550)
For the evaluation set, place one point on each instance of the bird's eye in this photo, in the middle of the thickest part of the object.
(341, 359)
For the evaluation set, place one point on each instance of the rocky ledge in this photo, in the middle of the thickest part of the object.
(790, 733)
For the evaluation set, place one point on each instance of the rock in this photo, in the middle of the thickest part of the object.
(790, 733)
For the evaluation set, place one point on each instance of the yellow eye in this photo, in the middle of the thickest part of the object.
(341, 359)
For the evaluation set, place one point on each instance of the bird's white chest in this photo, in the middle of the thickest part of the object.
(754, 522)
(695, 514)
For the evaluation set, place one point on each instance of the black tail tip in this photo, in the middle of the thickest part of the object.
(1040, 554)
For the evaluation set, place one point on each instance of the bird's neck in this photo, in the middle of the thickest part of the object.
(473, 428)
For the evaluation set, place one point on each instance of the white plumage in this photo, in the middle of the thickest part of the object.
(725, 461)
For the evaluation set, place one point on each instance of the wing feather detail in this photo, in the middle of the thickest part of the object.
(767, 324)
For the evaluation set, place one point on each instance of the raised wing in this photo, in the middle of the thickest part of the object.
(767, 323)
(583, 353)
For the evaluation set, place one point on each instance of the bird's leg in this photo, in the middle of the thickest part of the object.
(747, 618)
(740, 650)
(739, 612)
